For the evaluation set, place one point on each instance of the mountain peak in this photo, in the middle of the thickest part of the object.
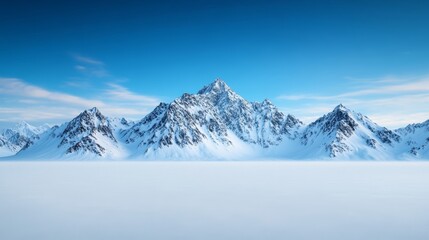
(23, 127)
(93, 110)
(266, 102)
(218, 86)
(341, 107)
(82, 133)
(341, 113)
(88, 116)
(22, 123)
(27, 129)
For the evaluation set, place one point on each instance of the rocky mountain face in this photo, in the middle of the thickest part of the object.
(218, 123)
(416, 139)
(81, 134)
(90, 135)
(343, 132)
(215, 115)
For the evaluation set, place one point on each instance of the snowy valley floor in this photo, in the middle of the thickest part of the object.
(214, 200)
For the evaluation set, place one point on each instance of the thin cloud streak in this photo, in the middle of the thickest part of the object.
(87, 60)
(16, 87)
(418, 86)
(76, 83)
(35, 104)
(421, 85)
(305, 97)
(90, 67)
(120, 93)
(391, 102)
(398, 120)
(36, 113)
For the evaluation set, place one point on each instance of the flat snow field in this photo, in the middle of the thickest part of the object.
(214, 200)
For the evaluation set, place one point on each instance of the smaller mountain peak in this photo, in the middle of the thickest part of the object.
(93, 110)
(341, 107)
(217, 86)
(267, 102)
(21, 124)
(185, 96)
(219, 81)
(26, 129)
(342, 112)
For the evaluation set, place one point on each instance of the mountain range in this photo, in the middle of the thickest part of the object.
(216, 124)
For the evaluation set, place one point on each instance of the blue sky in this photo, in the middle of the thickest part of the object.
(60, 57)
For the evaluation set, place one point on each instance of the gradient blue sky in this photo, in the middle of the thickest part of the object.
(60, 57)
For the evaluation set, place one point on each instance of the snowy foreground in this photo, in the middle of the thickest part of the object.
(214, 200)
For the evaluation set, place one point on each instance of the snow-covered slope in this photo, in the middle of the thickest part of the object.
(346, 134)
(14, 139)
(415, 139)
(28, 130)
(88, 136)
(214, 123)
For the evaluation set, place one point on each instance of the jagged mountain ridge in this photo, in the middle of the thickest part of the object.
(215, 115)
(89, 135)
(346, 133)
(217, 123)
(416, 139)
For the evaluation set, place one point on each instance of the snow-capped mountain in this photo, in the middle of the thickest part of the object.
(28, 130)
(217, 123)
(14, 139)
(347, 134)
(89, 135)
(215, 118)
(416, 139)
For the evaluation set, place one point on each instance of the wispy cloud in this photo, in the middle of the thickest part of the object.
(118, 97)
(90, 67)
(87, 60)
(389, 88)
(123, 102)
(37, 113)
(77, 83)
(24, 101)
(382, 87)
(378, 97)
(16, 87)
(305, 97)
(120, 93)
(376, 80)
